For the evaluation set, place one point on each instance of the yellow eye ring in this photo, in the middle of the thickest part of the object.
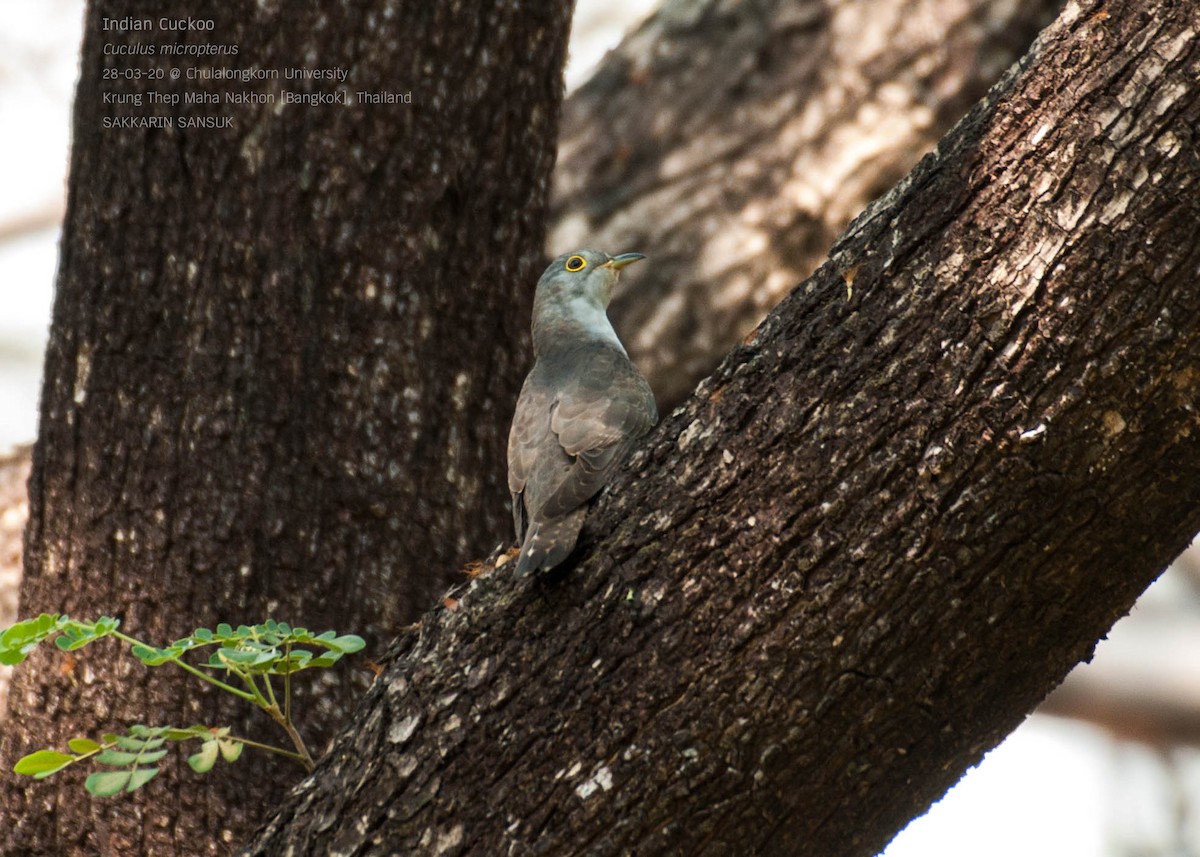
(576, 263)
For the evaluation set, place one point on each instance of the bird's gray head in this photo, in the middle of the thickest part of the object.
(573, 294)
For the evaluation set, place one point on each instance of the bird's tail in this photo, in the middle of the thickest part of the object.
(547, 543)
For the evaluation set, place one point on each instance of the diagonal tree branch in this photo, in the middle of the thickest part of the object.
(881, 531)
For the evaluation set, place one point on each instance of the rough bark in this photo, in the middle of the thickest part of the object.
(734, 141)
(279, 368)
(884, 528)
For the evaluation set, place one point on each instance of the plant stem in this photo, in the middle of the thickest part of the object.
(270, 690)
(287, 682)
(306, 758)
(189, 668)
(307, 762)
(283, 718)
(259, 699)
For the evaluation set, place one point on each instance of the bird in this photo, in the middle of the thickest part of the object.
(582, 407)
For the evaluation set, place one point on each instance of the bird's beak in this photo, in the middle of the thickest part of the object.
(619, 262)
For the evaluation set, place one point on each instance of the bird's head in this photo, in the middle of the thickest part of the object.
(572, 297)
(584, 275)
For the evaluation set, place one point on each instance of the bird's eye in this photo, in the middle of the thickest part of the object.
(576, 263)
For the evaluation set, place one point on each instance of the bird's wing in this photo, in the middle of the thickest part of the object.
(529, 433)
(598, 415)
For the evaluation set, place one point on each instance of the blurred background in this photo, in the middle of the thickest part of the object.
(1109, 767)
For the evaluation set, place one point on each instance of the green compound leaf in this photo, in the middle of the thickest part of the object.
(76, 634)
(296, 660)
(117, 758)
(42, 762)
(198, 731)
(139, 730)
(154, 743)
(256, 646)
(230, 750)
(120, 758)
(145, 654)
(140, 777)
(153, 657)
(326, 660)
(83, 745)
(271, 647)
(349, 643)
(107, 783)
(17, 641)
(244, 657)
(203, 761)
(141, 738)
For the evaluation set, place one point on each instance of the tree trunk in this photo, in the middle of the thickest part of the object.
(734, 141)
(887, 525)
(280, 367)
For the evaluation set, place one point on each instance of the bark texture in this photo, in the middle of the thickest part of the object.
(887, 525)
(734, 141)
(280, 368)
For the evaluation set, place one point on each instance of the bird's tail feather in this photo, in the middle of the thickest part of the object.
(547, 543)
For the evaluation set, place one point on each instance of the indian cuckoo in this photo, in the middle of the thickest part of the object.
(582, 407)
